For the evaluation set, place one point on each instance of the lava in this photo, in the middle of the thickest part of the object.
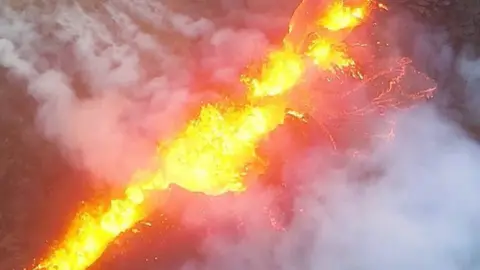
(319, 38)
(279, 73)
(216, 151)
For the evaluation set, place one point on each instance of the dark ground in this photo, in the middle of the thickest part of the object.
(39, 190)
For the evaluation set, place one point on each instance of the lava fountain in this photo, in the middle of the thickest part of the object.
(217, 150)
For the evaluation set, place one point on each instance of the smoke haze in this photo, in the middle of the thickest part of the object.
(408, 202)
(411, 203)
(113, 78)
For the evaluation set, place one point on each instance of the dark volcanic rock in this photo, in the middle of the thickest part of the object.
(455, 24)
(460, 17)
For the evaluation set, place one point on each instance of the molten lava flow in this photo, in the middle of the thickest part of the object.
(92, 231)
(215, 151)
(329, 56)
(331, 21)
(213, 155)
(319, 37)
(340, 16)
(210, 156)
(280, 72)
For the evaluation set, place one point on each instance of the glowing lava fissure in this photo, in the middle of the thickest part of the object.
(213, 153)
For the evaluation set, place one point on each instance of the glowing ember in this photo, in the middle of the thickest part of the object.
(297, 115)
(327, 56)
(341, 17)
(90, 234)
(210, 156)
(279, 73)
(214, 153)
(315, 38)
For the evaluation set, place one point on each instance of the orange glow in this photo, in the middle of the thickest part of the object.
(217, 150)
(93, 230)
(339, 16)
(316, 39)
(327, 56)
(213, 154)
(330, 21)
(280, 72)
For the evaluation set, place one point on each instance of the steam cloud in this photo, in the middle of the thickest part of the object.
(108, 87)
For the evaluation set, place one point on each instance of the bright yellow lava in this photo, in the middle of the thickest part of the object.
(281, 70)
(220, 145)
(340, 17)
(315, 32)
(215, 151)
(329, 56)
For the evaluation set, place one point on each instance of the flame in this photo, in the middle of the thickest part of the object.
(91, 234)
(212, 154)
(283, 68)
(328, 56)
(340, 16)
(280, 72)
(215, 151)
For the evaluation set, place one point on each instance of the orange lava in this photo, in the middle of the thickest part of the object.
(217, 150)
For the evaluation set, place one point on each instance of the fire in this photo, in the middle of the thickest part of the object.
(340, 17)
(316, 38)
(217, 150)
(330, 20)
(91, 234)
(328, 56)
(210, 156)
(280, 72)
(214, 153)
(318, 32)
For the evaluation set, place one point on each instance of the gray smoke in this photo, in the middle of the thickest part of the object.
(112, 78)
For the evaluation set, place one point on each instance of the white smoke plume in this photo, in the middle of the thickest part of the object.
(108, 87)
(112, 78)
